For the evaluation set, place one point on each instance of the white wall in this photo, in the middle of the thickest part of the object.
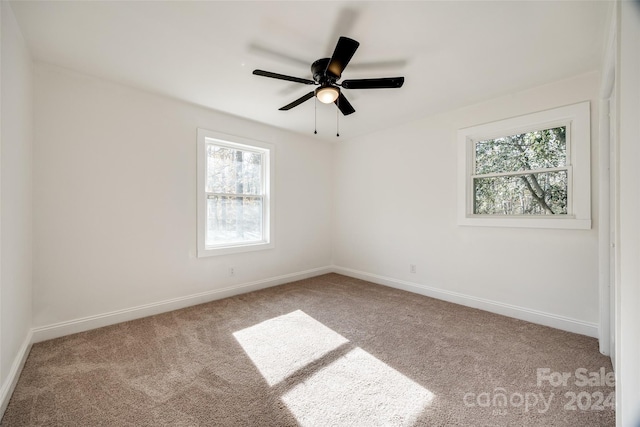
(628, 269)
(395, 205)
(15, 201)
(115, 201)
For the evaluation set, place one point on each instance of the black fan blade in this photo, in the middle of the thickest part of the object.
(345, 49)
(343, 24)
(344, 106)
(383, 83)
(283, 77)
(298, 101)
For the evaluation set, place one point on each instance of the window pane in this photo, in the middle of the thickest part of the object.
(233, 171)
(526, 151)
(530, 194)
(234, 220)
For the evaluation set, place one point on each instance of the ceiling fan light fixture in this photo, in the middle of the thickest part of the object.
(327, 94)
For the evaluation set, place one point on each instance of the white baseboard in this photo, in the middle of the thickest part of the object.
(16, 368)
(43, 333)
(57, 330)
(522, 313)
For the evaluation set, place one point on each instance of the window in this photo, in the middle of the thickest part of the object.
(522, 174)
(528, 171)
(234, 194)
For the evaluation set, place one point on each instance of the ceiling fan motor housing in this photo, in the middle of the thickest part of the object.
(319, 71)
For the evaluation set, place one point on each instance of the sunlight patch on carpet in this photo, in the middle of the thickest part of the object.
(282, 345)
(355, 389)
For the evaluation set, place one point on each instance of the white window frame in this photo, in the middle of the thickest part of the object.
(268, 150)
(576, 118)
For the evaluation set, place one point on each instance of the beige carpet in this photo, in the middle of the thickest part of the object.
(326, 351)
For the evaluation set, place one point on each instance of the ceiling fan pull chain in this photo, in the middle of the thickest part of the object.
(315, 116)
(338, 118)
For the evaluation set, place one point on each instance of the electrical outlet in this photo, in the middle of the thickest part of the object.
(412, 268)
(232, 271)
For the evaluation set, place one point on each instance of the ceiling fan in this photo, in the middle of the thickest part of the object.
(326, 73)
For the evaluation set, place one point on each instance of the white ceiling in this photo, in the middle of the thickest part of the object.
(451, 53)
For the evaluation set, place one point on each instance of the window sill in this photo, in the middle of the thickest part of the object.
(233, 249)
(568, 223)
